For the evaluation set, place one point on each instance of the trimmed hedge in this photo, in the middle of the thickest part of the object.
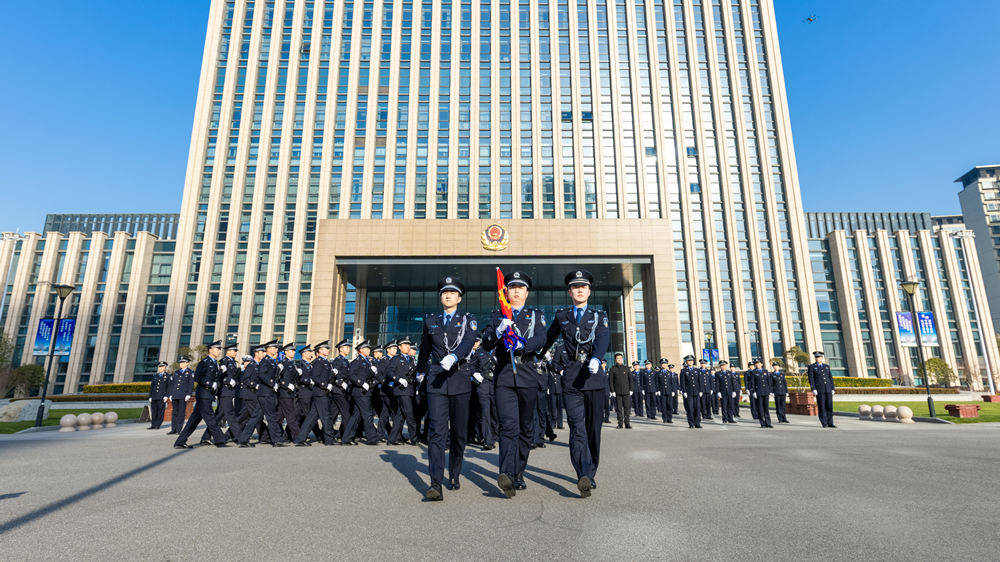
(847, 382)
(127, 387)
(90, 397)
(890, 390)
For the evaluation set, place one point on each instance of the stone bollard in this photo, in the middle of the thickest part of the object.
(67, 423)
(98, 420)
(83, 422)
(905, 414)
(878, 413)
(110, 419)
(890, 413)
(865, 412)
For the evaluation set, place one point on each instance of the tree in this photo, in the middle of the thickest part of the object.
(6, 374)
(793, 357)
(941, 371)
(27, 377)
(192, 353)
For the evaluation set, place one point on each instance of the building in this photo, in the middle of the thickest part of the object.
(980, 199)
(345, 155)
(857, 271)
(948, 222)
(161, 225)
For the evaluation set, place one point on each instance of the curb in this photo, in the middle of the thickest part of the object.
(56, 427)
(915, 418)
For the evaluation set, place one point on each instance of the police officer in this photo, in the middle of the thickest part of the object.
(725, 391)
(207, 375)
(265, 381)
(361, 376)
(734, 385)
(181, 389)
(385, 400)
(247, 393)
(541, 422)
(692, 387)
(707, 385)
(649, 386)
(586, 336)
(779, 386)
(677, 389)
(636, 396)
(516, 382)
(305, 389)
(821, 384)
(319, 379)
(665, 390)
(762, 394)
(482, 377)
(445, 349)
(158, 388)
(402, 379)
(559, 360)
(748, 384)
(620, 384)
(226, 412)
(288, 376)
(340, 394)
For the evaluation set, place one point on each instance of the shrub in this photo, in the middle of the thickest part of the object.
(117, 388)
(93, 397)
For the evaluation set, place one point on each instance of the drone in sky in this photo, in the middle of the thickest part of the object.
(810, 19)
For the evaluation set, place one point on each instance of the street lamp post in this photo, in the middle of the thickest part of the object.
(910, 286)
(754, 339)
(708, 343)
(967, 234)
(63, 291)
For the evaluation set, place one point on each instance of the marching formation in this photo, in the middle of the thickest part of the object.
(508, 381)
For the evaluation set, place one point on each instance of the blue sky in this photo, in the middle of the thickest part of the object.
(890, 101)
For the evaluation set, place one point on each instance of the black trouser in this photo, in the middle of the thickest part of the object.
(403, 410)
(637, 403)
(824, 403)
(692, 407)
(734, 405)
(382, 408)
(666, 411)
(444, 411)
(361, 418)
(485, 419)
(156, 410)
(177, 415)
(516, 410)
(726, 408)
(319, 411)
(673, 403)
(543, 425)
(226, 412)
(651, 405)
(339, 407)
(267, 408)
(779, 407)
(556, 408)
(623, 404)
(706, 405)
(764, 410)
(288, 412)
(202, 411)
(754, 410)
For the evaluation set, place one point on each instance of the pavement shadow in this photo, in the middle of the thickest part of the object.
(409, 466)
(13, 495)
(70, 500)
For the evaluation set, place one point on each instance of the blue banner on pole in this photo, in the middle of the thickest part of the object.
(904, 325)
(928, 331)
(64, 336)
(710, 355)
(43, 337)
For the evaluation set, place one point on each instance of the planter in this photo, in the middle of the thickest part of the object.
(963, 410)
(802, 403)
(991, 398)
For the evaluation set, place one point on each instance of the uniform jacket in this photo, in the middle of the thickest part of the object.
(360, 372)
(779, 384)
(158, 386)
(229, 373)
(530, 324)
(437, 342)
(181, 384)
(206, 374)
(398, 368)
(820, 378)
(265, 376)
(691, 380)
(575, 374)
(621, 379)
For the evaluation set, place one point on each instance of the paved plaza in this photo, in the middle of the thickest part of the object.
(867, 490)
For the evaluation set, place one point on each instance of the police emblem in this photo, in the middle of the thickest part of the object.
(472, 325)
(494, 238)
(605, 321)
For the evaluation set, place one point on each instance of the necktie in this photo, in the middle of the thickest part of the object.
(579, 315)
(447, 320)
(516, 312)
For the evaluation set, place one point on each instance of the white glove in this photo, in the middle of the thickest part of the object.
(291, 387)
(281, 366)
(700, 394)
(478, 377)
(165, 399)
(685, 395)
(519, 345)
(299, 370)
(657, 392)
(595, 364)
(612, 394)
(188, 397)
(329, 387)
(276, 387)
(365, 386)
(215, 386)
(448, 362)
(815, 393)
(404, 383)
(420, 377)
(374, 369)
(344, 385)
(223, 367)
(630, 393)
(150, 400)
(547, 392)
(336, 371)
(755, 395)
(833, 392)
(718, 395)
(734, 395)
(504, 324)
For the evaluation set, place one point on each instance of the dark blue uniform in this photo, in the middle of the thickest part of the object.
(584, 392)
(667, 389)
(637, 401)
(319, 380)
(362, 372)
(382, 400)
(708, 392)
(485, 418)
(821, 383)
(181, 386)
(158, 386)
(516, 390)
(649, 389)
(226, 411)
(748, 384)
(762, 389)
(556, 397)
(734, 384)
(448, 391)
(340, 402)
(207, 375)
(724, 394)
(288, 376)
(692, 387)
(779, 386)
(398, 369)
(264, 379)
